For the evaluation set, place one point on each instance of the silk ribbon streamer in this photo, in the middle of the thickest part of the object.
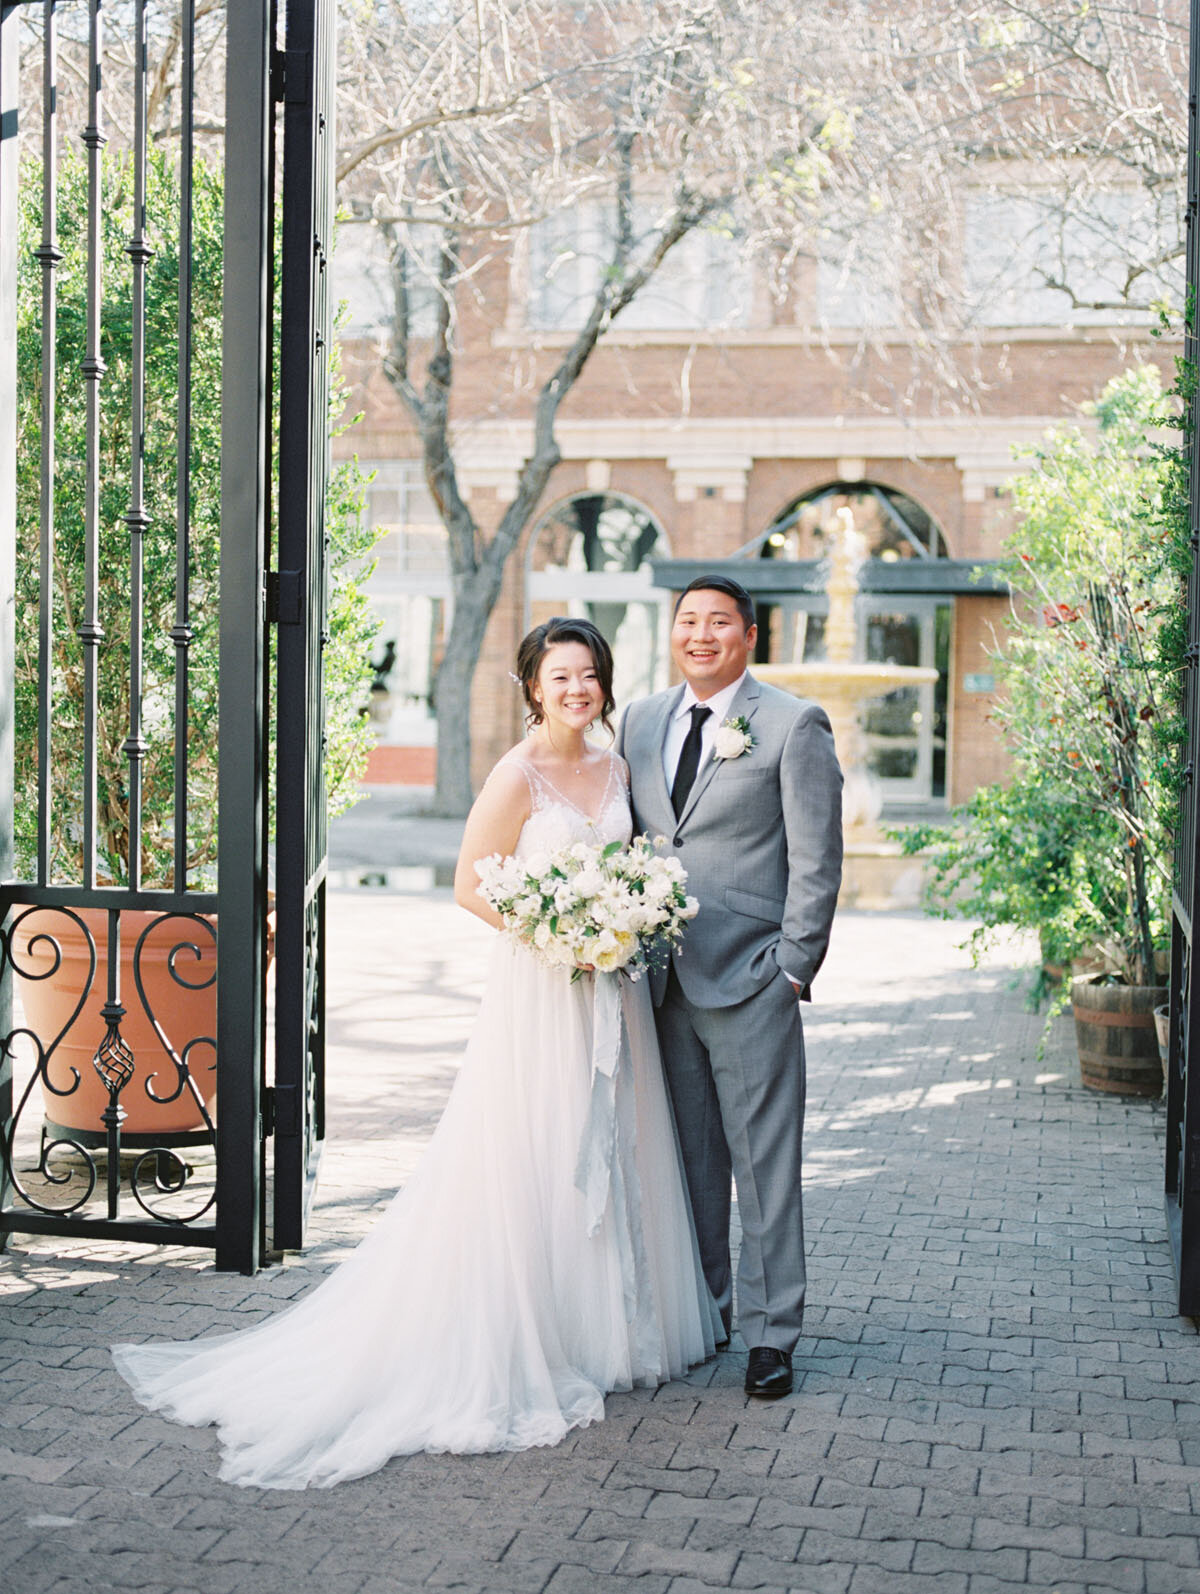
(598, 1143)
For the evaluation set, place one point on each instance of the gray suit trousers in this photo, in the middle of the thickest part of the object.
(736, 1077)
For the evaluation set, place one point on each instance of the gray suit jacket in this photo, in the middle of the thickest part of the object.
(760, 838)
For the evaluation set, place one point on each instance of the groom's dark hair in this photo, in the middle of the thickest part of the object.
(731, 588)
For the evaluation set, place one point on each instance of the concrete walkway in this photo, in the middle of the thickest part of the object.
(993, 1394)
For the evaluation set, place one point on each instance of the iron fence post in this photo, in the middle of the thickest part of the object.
(9, 61)
(241, 886)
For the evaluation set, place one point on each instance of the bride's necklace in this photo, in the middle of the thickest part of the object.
(578, 770)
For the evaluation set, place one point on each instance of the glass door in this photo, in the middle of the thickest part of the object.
(905, 730)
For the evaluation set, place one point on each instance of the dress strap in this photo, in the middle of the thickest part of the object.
(540, 789)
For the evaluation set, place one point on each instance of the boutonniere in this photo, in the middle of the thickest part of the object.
(732, 738)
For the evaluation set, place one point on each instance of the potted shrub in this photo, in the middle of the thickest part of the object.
(1078, 846)
(1019, 856)
(351, 628)
(1083, 698)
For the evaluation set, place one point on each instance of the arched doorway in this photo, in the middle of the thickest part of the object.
(590, 557)
(906, 730)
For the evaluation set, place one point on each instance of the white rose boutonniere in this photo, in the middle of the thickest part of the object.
(732, 738)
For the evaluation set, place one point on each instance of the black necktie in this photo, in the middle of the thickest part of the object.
(689, 759)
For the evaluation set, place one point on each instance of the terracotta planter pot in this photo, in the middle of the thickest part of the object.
(183, 1012)
(1115, 1034)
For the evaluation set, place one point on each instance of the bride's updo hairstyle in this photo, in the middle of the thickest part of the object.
(538, 643)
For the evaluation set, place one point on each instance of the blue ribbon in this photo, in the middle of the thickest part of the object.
(598, 1143)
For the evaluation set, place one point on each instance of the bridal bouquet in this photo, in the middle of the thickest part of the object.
(614, 907)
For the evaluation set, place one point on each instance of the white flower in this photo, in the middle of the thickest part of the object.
(537, 865)
(730, 742)
(583, 851)
(690, 908)
(612, 950)
(589, 882)
(541, 936)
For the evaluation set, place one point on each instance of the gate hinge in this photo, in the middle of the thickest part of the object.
(291, 76)
(283, 597)
(280, 1110)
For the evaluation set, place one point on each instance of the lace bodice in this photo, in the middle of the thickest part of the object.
(555, 821)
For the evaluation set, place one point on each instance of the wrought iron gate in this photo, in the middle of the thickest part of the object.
(134, 862)
(1183, 1071)
(298, 604)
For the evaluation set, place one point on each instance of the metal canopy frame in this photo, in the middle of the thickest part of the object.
(964, 578)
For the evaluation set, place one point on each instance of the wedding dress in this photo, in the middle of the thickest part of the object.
(480, 1313)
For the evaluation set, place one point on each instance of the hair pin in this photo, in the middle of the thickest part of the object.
(515, 679)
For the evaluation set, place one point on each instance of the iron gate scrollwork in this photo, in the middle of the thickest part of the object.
(133, 874)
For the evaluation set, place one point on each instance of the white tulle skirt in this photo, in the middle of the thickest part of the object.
(480, 1313)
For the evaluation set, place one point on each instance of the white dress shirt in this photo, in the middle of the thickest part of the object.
(680, 723)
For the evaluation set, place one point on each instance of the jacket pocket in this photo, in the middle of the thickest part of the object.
(755, 907)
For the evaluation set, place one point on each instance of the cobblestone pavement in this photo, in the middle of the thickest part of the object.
(993, 1392)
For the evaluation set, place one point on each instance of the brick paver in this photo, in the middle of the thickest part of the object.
(993, 1392)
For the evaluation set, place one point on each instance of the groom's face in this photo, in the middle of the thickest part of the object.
(710, 642)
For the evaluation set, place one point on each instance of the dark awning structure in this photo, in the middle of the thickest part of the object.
(766, 578)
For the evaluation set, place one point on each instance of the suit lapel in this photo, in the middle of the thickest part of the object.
(744, 704)
(656, 734)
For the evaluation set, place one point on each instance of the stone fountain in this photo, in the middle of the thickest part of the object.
(842, 685)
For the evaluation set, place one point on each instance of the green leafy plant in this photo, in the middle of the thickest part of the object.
(351, 626)
(1078, 846)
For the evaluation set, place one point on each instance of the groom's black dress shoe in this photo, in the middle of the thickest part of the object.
(769, 1372)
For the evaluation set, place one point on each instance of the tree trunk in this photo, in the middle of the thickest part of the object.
(474, 599)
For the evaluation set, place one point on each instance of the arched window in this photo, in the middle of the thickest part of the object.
(906, 729)
(895, 526)
(590, 557)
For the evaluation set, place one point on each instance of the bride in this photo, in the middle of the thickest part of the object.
(485, 1311)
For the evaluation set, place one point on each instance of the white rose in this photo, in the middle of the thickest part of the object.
(612, 950)
(488, 868)
(690, 908)
(536, 865)
(646, 918)
(589, 882)
(729, 742)
(583, 851)
(541, 937)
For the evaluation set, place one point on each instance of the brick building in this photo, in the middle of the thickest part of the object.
(715, 422)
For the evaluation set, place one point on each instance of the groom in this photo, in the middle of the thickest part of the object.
(744, 781)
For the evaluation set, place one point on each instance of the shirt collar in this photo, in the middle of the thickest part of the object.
(719, 704)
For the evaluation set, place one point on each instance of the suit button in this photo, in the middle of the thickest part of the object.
(677, 841)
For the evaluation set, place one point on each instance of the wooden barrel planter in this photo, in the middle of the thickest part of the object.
(1115, 1034)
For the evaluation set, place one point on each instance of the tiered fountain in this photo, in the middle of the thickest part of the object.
(842, 685)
